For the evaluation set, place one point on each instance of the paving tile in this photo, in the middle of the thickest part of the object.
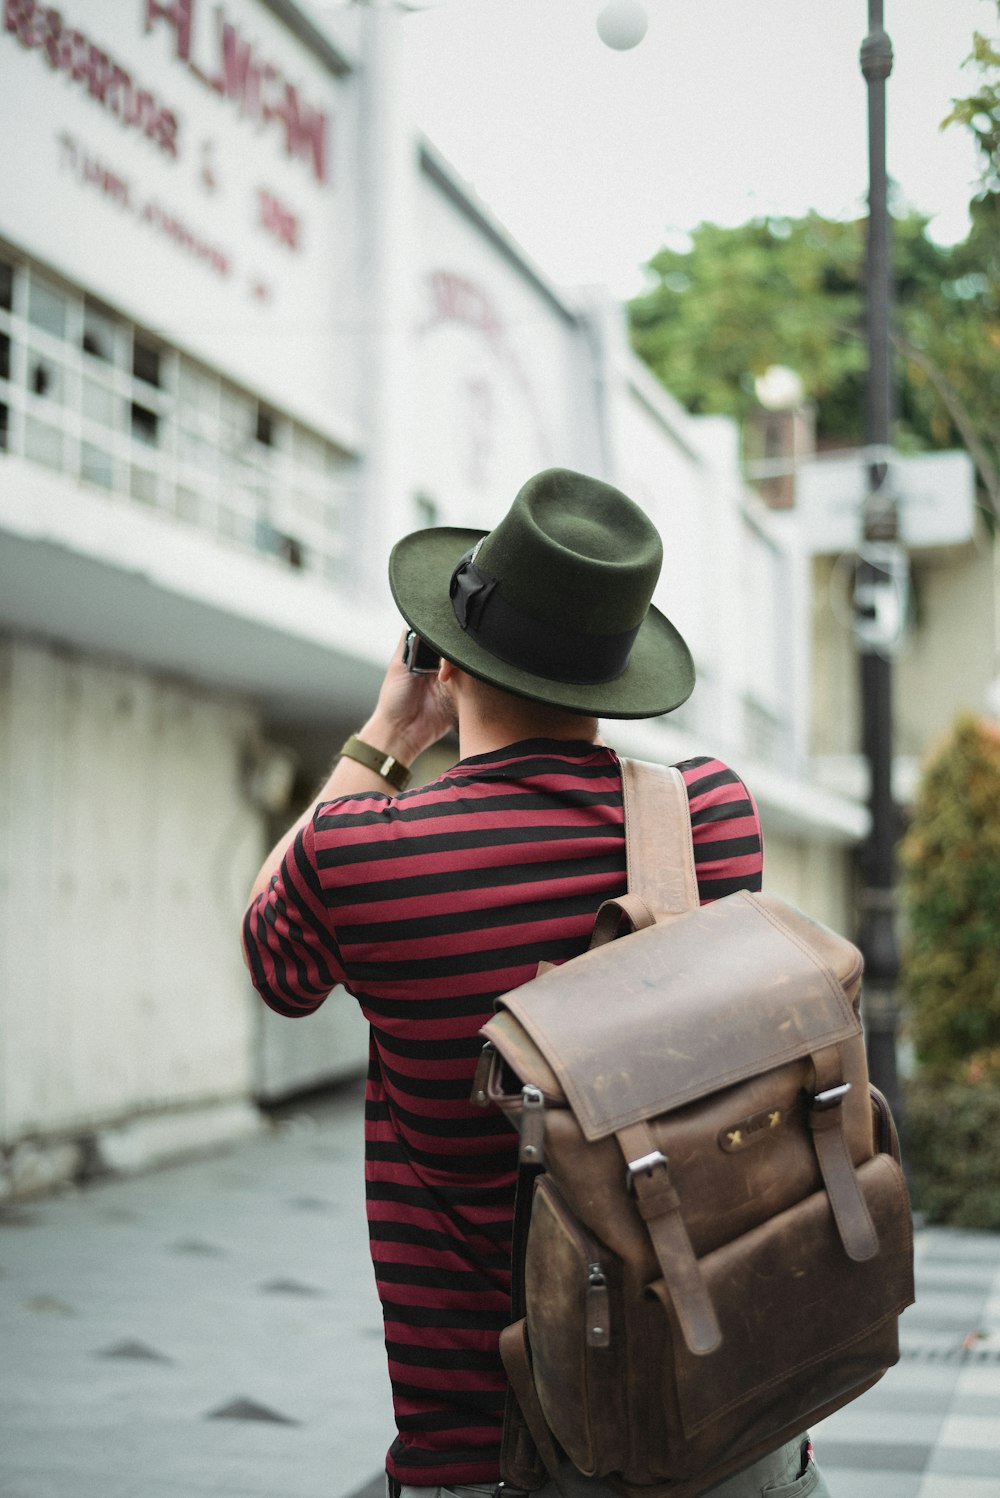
(984, 1381)
(972, 1432)
(249, 1409)
(373, 1489)
(959, 1487)
(955, 1461)
(856, 1482)
(874, 1456)
(132, 1311)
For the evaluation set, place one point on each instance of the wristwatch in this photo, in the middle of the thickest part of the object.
(386, 765)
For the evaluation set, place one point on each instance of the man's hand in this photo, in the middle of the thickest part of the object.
(410, 715)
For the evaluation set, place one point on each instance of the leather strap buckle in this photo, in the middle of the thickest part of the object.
(822, 1102)
(644, 1166)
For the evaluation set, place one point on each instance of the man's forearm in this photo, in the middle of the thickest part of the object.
(347, 778)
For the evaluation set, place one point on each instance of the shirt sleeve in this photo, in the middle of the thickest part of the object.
(292, 954)
(725, 828)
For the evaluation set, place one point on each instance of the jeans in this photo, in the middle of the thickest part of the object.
(774, 1476)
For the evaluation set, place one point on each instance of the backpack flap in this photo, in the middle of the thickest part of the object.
(510, 1059)
(711, 997)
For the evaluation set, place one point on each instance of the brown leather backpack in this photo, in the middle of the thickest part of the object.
(713, 1239)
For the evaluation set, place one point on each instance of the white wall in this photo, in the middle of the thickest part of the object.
(234, 198)
(504, 383)
(947, 663)
(126, 849)
(815, 875)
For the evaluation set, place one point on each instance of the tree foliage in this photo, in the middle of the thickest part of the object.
(953, 1152)
(980, 111)
(792, 291)
(950, 888)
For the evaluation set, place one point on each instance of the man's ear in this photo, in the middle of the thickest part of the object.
(447, 670)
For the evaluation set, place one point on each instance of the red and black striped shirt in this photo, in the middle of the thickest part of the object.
(426, 907)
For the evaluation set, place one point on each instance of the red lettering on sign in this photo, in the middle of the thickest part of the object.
(255, 84)
(455, 298)
(68, 51)
(278, 220)
(459, 300)
(92, 172)
(262, 93)
(239, 77)
(178, 13)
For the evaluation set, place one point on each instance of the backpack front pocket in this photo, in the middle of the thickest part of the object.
(804, 1327)
(576, 1333)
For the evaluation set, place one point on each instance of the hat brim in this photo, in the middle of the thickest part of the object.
(658, 678)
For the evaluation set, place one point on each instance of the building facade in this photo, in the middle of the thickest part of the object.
(252, 328)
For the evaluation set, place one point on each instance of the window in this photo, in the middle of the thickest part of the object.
(97, 465)
(142, 484)
(98, 402)
(89, 395)
(100, 333)
(145, 424)
(46, 308)
(46, 377)
(145, 362)
(43, 443)
(265, 427)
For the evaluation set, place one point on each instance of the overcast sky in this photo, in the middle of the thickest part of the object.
(592, 158)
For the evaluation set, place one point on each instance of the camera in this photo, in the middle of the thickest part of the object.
(418, 658)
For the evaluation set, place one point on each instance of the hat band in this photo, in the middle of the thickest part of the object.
(543, 648)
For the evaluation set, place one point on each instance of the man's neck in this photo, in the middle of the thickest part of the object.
(480, 737)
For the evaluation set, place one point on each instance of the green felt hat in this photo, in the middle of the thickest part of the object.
(554, 603)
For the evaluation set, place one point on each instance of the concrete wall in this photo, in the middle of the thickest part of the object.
(951, 657)
(505, 380)
(816, 876)
(947, 663)
(126, 847)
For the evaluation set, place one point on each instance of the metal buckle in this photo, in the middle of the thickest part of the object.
(831, 1098)
(645, 1165)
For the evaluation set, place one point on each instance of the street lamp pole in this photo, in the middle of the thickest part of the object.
(878, 581)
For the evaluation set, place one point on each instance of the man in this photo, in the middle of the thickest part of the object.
(426, 905)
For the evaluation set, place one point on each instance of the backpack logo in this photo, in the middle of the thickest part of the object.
(751, 1130)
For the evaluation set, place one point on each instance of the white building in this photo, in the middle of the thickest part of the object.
(252, 328)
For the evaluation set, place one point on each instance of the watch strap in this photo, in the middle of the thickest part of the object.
(386, 765)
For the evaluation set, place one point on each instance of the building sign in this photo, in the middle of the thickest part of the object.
(236, 70)
(182, 160)
(490, 382)
(935, 492)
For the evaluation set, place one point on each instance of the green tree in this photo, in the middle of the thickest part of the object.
(773, 291)
(950, 888)
(791, 291)
(980, 112)
(950, 863)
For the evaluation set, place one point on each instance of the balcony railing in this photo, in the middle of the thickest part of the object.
(87, 394)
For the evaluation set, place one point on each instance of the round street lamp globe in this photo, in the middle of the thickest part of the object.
(622, 24)
(779, 388)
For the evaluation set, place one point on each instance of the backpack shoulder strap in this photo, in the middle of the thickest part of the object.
(659, 849)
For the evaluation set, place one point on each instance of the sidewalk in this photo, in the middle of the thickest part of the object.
(212, 1328)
